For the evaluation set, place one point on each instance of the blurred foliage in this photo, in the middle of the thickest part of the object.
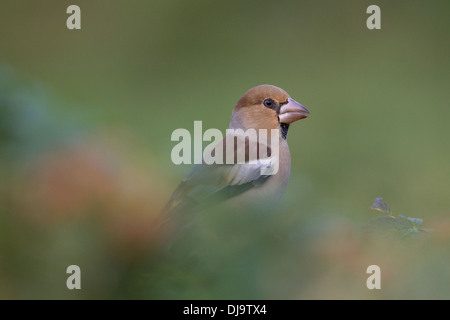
(400, 225)
(85, 124)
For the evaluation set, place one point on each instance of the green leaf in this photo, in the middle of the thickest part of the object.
(388, 223)
(400, 225)
(380, 205)
(415, 222)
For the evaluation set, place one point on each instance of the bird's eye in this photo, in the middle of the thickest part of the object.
(268, 103)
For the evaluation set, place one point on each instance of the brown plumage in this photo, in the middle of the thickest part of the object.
(242, 184)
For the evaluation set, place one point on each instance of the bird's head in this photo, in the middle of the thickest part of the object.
(266, 107)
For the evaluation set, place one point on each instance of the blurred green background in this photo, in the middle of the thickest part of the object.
(86, 118)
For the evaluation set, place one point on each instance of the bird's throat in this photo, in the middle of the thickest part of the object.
(284, 130)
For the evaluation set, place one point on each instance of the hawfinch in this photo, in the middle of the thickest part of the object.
(259, 180)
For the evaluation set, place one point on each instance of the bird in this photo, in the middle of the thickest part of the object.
(244, 184)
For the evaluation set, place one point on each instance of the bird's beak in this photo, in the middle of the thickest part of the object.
(292, 111)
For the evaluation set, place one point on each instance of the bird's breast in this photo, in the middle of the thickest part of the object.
(266, 195)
